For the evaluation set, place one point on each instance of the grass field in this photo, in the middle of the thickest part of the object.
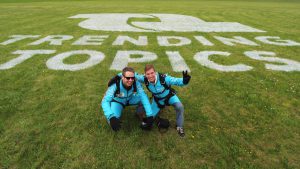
(52, 118)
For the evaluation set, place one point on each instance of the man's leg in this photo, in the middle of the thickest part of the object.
(114, 121)
(175, 102)
(179, 109)
(179, 118)
(179, 113)
(117, 109)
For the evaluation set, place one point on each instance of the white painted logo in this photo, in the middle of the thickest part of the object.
(130, 22)
(153, 23)
(125, 57)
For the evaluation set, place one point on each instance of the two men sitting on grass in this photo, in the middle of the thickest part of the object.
(116, 98)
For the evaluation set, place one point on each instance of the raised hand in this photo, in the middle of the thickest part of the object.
(186, 77)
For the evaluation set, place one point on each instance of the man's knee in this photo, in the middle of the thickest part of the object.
(179, 107)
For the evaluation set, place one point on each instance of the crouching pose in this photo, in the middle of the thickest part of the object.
(124, 91)
(163, 95)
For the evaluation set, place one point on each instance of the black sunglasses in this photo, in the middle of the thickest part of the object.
(132, 78)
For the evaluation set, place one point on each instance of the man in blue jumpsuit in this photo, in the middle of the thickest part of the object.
(162, 93)
(125, 92)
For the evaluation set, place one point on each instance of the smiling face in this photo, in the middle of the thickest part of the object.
(151, 75)
(128, 78)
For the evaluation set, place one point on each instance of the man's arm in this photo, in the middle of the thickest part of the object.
(139, 77)
(174, 81)
(109, 95)
(144, 99)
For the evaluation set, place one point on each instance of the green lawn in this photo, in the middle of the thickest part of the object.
(53, 119)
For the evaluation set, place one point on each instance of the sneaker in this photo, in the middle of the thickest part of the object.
(180, 131)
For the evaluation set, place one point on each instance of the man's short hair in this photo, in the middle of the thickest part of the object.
(127, 69)
(148, 67)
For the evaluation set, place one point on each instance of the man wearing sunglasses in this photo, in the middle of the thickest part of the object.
(122, 93)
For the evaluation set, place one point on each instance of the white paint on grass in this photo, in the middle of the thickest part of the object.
(124, 22)
(177, 62)
(53, 39)
(203, 41)
(56, 62)
(289, 65)
(110, 22)
(15, 38)
(90, 40)
(236, 40)
(275, 40)
(202, 59)
(177, 41)
(141, 41)
(24, 55)
(122, 58)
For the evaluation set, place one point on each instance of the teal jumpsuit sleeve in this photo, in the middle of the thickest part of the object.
(174, 81)
(108, 97)
(144, 99)
(139, 77)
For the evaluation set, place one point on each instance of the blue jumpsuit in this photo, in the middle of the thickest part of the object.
(113, 105)
(159, 91)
